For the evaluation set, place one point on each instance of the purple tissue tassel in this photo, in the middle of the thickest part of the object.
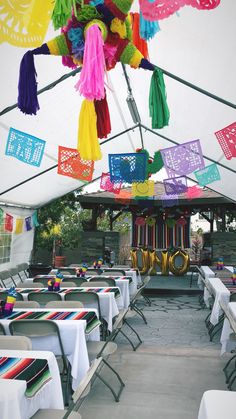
(27, 86)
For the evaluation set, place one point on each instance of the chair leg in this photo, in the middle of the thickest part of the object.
(233, 380)
(226, 366)
(139, 339)
(122, 384)
(147, 299)
(217, 328)
(139, 312)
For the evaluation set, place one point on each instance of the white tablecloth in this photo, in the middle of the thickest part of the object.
(228, 327)
(217, 404)
(206, 272)
(123, 285)
(73, 339)
(108, 303)
(216, 288)
(14, 404)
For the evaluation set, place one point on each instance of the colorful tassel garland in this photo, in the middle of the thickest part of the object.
(91, 83)
(103, 118)
(27, 85)
(158, 108)
(88, 145)
(140, 43)
(148, 29)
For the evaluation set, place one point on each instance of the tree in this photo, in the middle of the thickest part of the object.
(61, 223)
(196, 247)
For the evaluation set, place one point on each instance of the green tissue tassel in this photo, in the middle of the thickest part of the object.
(158, 108)
(62, 12)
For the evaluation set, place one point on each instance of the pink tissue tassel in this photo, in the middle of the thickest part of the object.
(91, 82)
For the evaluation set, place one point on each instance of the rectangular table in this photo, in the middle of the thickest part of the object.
(217, 289)
(127, 289)
(73, 339)
(122, 282)
(108, 303)
(217, 404)
(224, 273)
(13, 402)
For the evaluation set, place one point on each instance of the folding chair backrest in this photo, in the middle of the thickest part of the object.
(6, 279)
(119, 320)
(84, 383)
(68, 284)
(89, 299)
(21, 343)
(64, 304)
(146, 279)
(116, 272)
(3, 296)
(23, 271)
(44, 297)
(110, 281)
(94, 284)
(77, 281)
(2, 330)
(92, 271)
(36, 328)
(68, 271)
(138, 293)
(43, 281)
(15, 275)
(26, 304)
(29, 284)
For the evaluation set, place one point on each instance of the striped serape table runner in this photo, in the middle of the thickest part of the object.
(116, 290)
(69, 290)
(224, 273)
(34, 371)
(90, 317)
(228, 283)
(90, 277)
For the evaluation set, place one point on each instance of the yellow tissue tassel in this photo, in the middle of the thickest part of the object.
(88, 145)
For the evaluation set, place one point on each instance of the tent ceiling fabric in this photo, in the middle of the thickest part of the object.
(197, 46)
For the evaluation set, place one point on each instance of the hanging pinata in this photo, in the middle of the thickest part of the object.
(95, 35)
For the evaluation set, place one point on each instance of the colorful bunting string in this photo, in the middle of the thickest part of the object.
(227, 140)
(28, 224)
(18, 224)
(143, 189)
(207, 175)
(8, 223)
(183, 159)
(1, 216)
(25, 147)
(35, 219)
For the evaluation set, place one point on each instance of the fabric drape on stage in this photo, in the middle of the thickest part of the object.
(160, 236)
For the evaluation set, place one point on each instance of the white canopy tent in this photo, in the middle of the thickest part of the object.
(197, 46)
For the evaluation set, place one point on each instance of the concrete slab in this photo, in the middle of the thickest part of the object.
(166, 377)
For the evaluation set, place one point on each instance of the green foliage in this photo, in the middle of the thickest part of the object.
(61, 222)
(196, 246)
